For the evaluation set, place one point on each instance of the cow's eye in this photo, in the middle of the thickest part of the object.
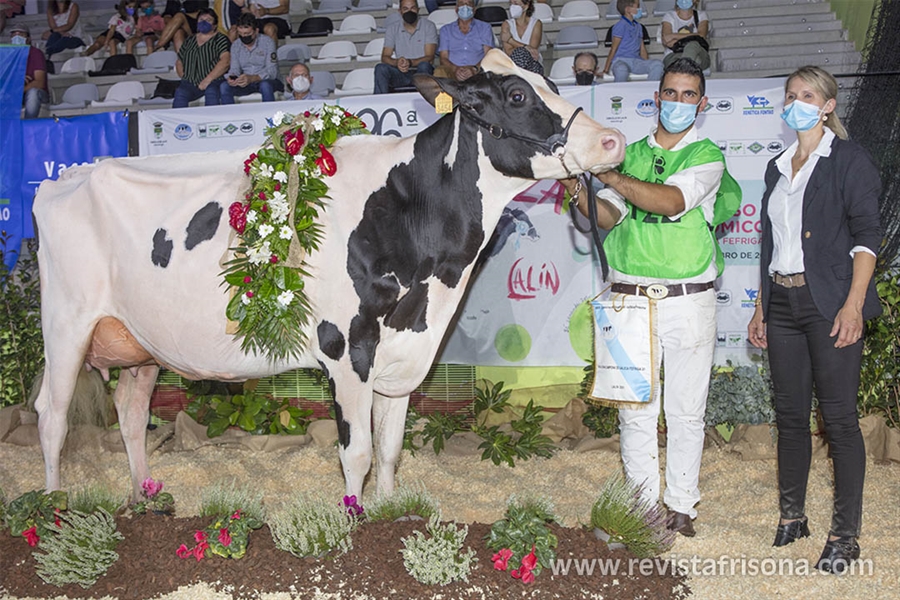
(517, 96)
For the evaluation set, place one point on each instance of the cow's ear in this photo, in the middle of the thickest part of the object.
(430, 87)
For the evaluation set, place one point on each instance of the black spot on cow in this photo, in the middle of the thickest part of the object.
(203, 225)
(331, 340)
(162, 249)
(342, 425)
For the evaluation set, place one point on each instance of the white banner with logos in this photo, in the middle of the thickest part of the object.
(527, 304)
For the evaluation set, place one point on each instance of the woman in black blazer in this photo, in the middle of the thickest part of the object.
(820, 235)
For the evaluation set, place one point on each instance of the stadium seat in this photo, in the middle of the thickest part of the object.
(78, 96)
(372, 53)
(358, 82)
(335, 52)
(442, 16)
(495, 15)
(371, 5)
(543, 13)
(392, 17)
(314, 26)
(631, 77)
(576, 37)
(322, 83)
(78, 64)
(579, 10)
(158, 62)
(561, 72)
(663, 6)
(353, 24)
(294, 53)
(116, 65)
(122, 93)
(333, 6)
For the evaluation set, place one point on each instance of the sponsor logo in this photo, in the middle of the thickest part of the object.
(723, 298)
(736, 147)
(775, 147)
(724, 105)
(759, 105)
(646, 108)
(183, 131)
(157, 129)
(750, 299)
(723, 145)
(735, 339)
(525, 280)
(615, 105)
(721, 338)
(608, 332)
(201, 130)
(247, 127)
(230, 128)
(755, 147)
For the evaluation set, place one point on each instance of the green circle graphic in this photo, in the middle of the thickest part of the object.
(513, 342)
(581, 333)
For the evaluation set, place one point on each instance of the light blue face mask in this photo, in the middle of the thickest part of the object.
(677, 116)
(684, 4)
(18, 40)
(465, 12)
(801, 116)
(639, 14)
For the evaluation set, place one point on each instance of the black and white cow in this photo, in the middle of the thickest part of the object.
(130, 253)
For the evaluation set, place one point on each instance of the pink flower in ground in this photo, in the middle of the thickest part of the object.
(152, 488)
(501, 559)
(183, 551)
(527, 576)
(31, 536)
(353, 508)
(236, 515)
(529, 561)
(224, 537)
(199, 549)
(199, 536)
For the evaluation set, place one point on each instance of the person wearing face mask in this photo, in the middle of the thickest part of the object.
(662, 206)
(585, 68)
(122, 26)
(820, 234)
(299, 81)
(685, 33)
(463, 43)
(202, 61)
(521, 36)
(36, 92)
(409, 47)
(150, 25)
(628, 54)
(254, 64)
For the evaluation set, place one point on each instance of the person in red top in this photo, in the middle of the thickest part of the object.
(35, 72)
(150, 25)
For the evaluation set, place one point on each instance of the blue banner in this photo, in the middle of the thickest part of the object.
(13, 60)
(54, 145)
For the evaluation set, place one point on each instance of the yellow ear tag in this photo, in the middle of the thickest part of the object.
(443, 104)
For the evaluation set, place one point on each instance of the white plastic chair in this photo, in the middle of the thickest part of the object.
(293, 53)
(392, 17)
(121, 93)
(663, 6)
(372, 53)
(78, 64)
(358, 82)
(158, 62)
(561, 72)
(337, 51)
(442, 16)
(353, 24)
(78, 96)
(631, 77)
(576, 37)
(333, 6)
(322, 83)
(543, 13)
(371, 5)
(579, 10)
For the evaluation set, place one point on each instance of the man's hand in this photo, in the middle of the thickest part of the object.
(463, 73)
(241, 81)
(403, 64)
(203, 85)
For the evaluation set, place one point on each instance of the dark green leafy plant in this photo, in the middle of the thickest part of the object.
(741, 394)
(33, 512)
(879, 386)
(524, 442)
(21, 340)
(602, 420)
(251, 413)
(628, 519)
(439, 427)
(494, 399)
(409, 430)
(81, 549)
(523, 528)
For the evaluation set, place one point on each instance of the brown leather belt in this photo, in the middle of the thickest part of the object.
(789, 281)
(659, 291)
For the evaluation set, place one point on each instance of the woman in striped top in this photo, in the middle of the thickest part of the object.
(202, 61)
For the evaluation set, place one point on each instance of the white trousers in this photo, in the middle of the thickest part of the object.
(687, 335)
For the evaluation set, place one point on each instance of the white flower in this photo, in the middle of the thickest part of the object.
(336, 119)
(245, 300)
(278, 197)
(251, 216)
(285, 232)
(265, 229)
(266, 170)
(299, 158)
(278, 118)
(285, 298)
(318, 124)
(279, 211)
(280, 176)
(259, 255)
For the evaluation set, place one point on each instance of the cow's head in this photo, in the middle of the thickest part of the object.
(529, 130)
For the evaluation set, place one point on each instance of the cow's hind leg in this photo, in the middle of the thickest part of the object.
(132, 399)
(390, 425)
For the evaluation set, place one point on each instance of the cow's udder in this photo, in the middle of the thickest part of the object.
(112, 345)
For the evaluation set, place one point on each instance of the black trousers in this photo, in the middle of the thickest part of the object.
(802, 353)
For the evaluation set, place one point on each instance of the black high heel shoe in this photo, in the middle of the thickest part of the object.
(837, 555)
(791, 532)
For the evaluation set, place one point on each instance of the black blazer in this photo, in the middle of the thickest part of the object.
(840, 211)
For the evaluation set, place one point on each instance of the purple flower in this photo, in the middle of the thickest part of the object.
(353, 509)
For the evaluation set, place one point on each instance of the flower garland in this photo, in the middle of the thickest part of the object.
(277, 226)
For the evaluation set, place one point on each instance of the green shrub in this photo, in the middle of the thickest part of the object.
(602, 420)
(629, 519)
(79, 550)
(525, 442)
(438, 560)
(35, 509)
(224, 498)
(879, 386)
(91, 499)
(258, 415)
(312, 526)
(741, 394)
(404, 502)
(525, 526)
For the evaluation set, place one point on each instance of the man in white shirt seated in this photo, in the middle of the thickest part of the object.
(299, 81)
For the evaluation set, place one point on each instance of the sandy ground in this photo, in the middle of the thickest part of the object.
(731, 556)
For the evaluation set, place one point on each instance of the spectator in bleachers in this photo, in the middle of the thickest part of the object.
(181, 22)
(463, 43)
(272, 15)
(685, 30)
(521, 36)
(202, 61)
(35, 72)
(64, 31)
(9, 9)
(585, 68)
(121, 27)
(628, 53)
(150, 26)
(413, 41)
(299, 81)
(254, 64)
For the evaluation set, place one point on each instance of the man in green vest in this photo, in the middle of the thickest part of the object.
(662, 206)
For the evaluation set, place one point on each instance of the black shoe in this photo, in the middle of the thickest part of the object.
(837, 555)
(791, 532)
(680, 523)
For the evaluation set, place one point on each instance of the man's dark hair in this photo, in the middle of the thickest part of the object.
(248, 20)
(592, 55)
(210, 12)
(685, 66)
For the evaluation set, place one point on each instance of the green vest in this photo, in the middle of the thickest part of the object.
(655, 246)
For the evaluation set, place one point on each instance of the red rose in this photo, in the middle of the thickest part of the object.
(277, 187)
(264, 207)
(273, 259)
(293, 141)
(248, 279)
(326, 162)
(306, 113)
(237, 216)
(262, 195)
(249, 294)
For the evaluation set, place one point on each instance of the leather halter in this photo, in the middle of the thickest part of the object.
(554, 145)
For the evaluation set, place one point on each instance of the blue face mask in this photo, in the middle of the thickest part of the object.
(465, 12)
(639, 14)
(801, 116)
(148, 11)
(18, 40)
(204, 26)
(677, 116)
(129, 11)
(684, 4)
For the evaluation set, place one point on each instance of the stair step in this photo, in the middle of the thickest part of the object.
(847, 61)
(788, 50)
(763, 40)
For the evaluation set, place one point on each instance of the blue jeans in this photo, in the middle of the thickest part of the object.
(266, 87)
(187, 92)
(622, 67)
(33, 100)
(57, 42)
(388, 76)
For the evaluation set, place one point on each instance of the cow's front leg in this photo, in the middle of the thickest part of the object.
(132, 399)
(390, 425)
(353, 413)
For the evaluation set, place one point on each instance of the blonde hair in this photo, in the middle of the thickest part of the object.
(825, 84)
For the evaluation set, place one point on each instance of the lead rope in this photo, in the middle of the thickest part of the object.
(584, 183)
